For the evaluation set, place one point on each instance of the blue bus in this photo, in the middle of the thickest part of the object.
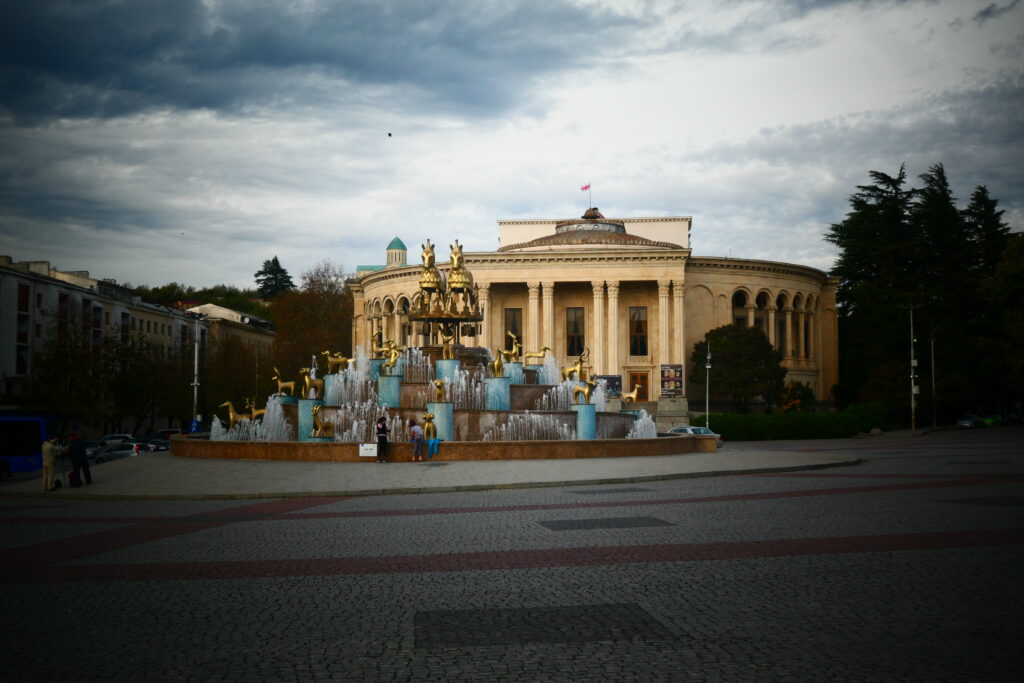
(21, 441)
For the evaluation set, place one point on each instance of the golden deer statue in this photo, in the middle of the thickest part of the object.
(321, 428)
(317, 385)
(254, 412)
(577, 367)
(335, 361)
(539, 355)
(234, 417)
(631, 396)
(512, 354)
(281, 386)
(439, 391)
(496, 366)
(583, 389)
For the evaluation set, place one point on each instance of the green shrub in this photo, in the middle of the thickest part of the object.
(793, 425)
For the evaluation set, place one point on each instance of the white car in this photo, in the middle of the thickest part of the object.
(698, 431)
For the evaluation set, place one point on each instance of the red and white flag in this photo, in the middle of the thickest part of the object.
(585, 187)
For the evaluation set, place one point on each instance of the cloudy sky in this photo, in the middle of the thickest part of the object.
(152, 141)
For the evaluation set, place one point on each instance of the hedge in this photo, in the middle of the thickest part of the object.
(796, 425)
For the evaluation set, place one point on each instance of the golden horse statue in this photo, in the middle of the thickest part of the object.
(335, 361)
(254, 412)
(439, 391)
(577, 367)
(541, 355)
(234, 417)
(583, 389)
(321, 428)
(496, 366)
(281, 386)
(631, 396)
(317, 385)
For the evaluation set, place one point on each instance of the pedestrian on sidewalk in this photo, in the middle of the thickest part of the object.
(416, 436)
(382, 438)
(51, 451)
(79, 458)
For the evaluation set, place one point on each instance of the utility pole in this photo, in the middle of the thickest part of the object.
(935, 423)
(707, 387)
(914, 388)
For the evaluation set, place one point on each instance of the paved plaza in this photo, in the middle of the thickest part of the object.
(904, 566)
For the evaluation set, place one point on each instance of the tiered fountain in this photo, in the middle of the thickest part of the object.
(482, 406)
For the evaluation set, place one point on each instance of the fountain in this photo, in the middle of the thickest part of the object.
(505, 405)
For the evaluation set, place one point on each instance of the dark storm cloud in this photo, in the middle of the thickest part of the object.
(993, 11)
(85, 58)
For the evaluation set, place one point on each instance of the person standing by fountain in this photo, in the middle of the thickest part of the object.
(79, 458)
(382, 438)
(416, 436)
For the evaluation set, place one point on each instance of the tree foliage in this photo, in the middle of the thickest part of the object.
(903, 249)
(244, 300)
(272, 279)
(744, 365)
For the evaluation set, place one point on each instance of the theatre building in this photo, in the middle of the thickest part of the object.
(629, 291)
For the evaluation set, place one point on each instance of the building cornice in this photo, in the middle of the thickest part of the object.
(713, 264)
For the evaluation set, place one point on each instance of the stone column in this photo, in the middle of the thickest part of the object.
(548, 328)
(801, 347)
(485, 307)
(771, 325)
(750, 315)
(612, 331)
(664, 344)
(598, 323)
(532, 341)
(678, 321)
(787, 352)
(812, 350)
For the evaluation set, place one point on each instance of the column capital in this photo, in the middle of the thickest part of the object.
(597, 285)
(534, 288)
(750, 307)
(677, 286)
(663, 287)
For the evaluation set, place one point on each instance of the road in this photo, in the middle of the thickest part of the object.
(904, 568)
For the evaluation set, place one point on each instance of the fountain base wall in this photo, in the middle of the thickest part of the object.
(192, 447)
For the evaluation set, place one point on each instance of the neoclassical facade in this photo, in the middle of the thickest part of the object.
(628, 291)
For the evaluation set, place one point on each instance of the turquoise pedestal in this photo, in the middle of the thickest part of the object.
(329, 381)
(497, 393)
(447, 369)
(375, 364)
(389, 391)
(630, 411)
(586, 421)
(305, 432)
(320, 439)
(514, 371)
(444, 419)
(287, 400)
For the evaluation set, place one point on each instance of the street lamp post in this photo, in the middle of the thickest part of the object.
(195, 370)
(707, 388)
(935, 422)
(913, 377)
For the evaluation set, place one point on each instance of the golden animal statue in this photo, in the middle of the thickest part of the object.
(383, 351)
(439, 391)
(429, 429)
(577, 367)
(233, 416)
(316, 385)
(281, 386)
(512, 355)
(430, 278)
(321, 428)
(583, 389)
(496, 366)
(387, 368)
(459, 279)
(631, 396)
(254, 412)
(540, 355)
(448, 342)
(335, 361)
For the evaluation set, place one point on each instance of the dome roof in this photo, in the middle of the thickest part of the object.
(397, 244)
(593, 230)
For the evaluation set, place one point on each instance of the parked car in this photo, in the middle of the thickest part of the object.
(159, 444)
(698, 431)
(166, 434)
(969, 422)
(114, 438)
(91, 447)
(992, 420)
(118, 450)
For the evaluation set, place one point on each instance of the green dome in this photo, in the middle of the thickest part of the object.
(397, 244)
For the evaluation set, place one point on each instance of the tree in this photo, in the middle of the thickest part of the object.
(744, 365)
(316, 318)
(272, 279)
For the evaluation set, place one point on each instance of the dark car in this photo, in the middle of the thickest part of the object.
(159, 445)
(969, 422)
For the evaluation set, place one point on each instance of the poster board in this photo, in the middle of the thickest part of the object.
(613, 388)
(672, 380)
(367, 450)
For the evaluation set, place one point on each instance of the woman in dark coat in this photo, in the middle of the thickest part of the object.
(382, 439)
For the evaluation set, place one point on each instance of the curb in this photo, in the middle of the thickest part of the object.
(434, 489)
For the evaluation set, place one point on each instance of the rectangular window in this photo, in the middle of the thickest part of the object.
(23, 295)
(513, 324)
(39, 300)
(638, 330)
(574, 340)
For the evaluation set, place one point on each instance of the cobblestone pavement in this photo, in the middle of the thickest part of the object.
(904, 568)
